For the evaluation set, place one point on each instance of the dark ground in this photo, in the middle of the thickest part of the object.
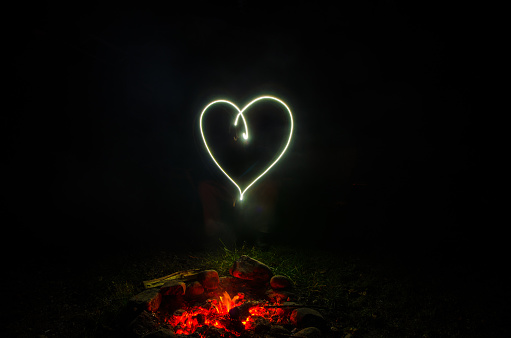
(366, 295)
(391, 164)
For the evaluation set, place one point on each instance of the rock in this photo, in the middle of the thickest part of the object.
(278, 331)
(149, 300)
(173, 287)
(161, 333)
(194, 289)
(209, 279)
(143, 324)
(242, 311)
(305, 317)
(310, 332)
(250, 269)
(261, 325)
(280, 282)
(280, 296)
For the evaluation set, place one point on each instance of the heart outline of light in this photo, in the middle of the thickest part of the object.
(245, 135)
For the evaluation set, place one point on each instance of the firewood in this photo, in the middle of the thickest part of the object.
(242, 311)
(185, 275)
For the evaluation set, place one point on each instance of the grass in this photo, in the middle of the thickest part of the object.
(362, 295)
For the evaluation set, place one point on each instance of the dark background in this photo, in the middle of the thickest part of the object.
(101, 144)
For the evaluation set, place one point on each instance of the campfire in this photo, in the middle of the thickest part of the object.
(252, 302)
(231, 316)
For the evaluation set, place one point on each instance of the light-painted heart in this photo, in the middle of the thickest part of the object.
(246, 136)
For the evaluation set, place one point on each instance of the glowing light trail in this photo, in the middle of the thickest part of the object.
(246, 134)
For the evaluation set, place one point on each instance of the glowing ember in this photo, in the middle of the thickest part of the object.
(216, 313)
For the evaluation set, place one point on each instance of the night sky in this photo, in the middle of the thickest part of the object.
(102, 143)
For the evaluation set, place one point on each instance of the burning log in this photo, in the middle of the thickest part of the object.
(242, 311)
(185, 275)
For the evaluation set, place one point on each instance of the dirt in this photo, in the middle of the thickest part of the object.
(64, 295)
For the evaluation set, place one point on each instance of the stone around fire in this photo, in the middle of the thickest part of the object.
(194, 289)
(173, 287)
(280, 296)
(279, 331)
(209, 279)
(310, 332)
(305, 317)
(280, 282)
(250, 269)
(149, 300)
(261, 325)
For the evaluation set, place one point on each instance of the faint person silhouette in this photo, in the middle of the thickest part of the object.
(233, 221)
(225, 217)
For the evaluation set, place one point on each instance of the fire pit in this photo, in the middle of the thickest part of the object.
(252, 302)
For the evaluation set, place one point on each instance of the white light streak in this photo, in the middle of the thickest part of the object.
(246, 135)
